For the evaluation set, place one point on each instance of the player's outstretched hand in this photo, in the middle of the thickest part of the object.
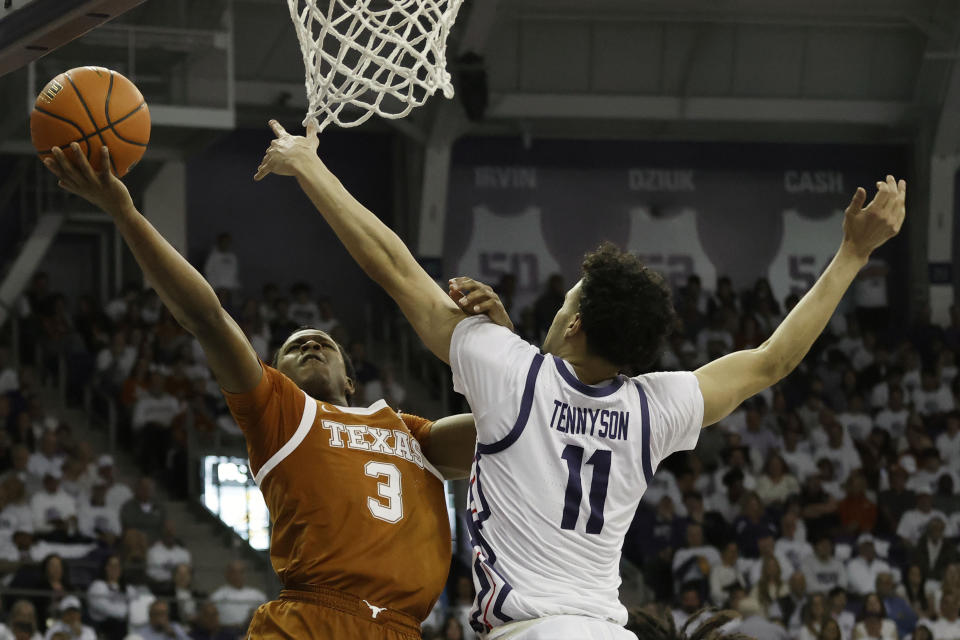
(288, 153)
(75, 174)
(477, 298)
(867, 227)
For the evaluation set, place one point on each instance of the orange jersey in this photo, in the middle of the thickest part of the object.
(354, 505)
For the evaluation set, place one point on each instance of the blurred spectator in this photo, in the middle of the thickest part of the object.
(52, 579)
(814, 614)
(874, 623)
(303, 311)
(9, 379)
(142, 512)
(692, 562)
(17, 512)
(916, 592)
(23, 621)
(165, 554)
(386, 387)
(896, 500)
(153, 416)
(948, 442)
(94, 515)
(897, 608)
(71, 621)
(831, 630)
(235, 600)
(107, 599)
(870, 294)
(914, 522)
(776, 484)
(52, 507)
(823, 570)
(159, 626)
(838, 614)
(222, 268)
(792, 543)
(689, 603)
(858, 514)
(769, 588)
(115, 363)
(932, 397)
(366, 371)
(47, 458)
(863, 570)
(462, 603)
(933, 553)
(117, 493)
(947, 625)
(207, 626)
(452, 629)
(754, 624)
(725, 574)
(183, 607)
(893, 417)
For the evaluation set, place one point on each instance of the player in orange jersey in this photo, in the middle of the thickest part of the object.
(360, 537)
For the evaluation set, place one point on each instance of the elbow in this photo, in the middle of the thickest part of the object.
(774, 364)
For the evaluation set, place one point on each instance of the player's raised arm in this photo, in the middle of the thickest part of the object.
(376, 248)
(728, 381)
(182, 289)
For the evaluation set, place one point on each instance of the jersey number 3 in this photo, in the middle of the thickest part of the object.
(600, 461)
(391, 491)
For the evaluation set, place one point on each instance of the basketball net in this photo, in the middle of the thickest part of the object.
(383, 61)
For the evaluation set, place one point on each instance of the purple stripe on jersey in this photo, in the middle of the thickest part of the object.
(475, 623)
(476, 517)
(645, 430)
(498, 605)
(595, 392)
(526, 402)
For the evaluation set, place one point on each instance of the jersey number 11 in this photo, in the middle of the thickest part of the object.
(600, 460)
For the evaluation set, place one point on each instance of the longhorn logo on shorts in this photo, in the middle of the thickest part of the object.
(375, 610)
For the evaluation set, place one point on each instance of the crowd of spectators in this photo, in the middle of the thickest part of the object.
(825, 507)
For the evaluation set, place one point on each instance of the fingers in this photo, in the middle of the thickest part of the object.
(106, 164)
(856, 203)
(80, 161)
(68, 173)
(278, 130)
(266, 166)
(313, 128)
(465, 284)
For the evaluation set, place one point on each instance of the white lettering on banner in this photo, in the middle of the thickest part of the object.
(505, 177)
(671, 180)
(813, 181)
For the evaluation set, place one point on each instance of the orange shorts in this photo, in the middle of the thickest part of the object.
(318, 613)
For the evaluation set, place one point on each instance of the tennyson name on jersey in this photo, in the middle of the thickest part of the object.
(602, 423)
(392, 442)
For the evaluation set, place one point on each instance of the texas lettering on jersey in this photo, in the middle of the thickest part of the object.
(361, 437)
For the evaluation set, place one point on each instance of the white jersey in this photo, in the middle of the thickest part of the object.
(559, 470)
(805, 250)
(670, 245)
(509, 244)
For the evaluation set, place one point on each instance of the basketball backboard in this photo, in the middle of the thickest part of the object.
(30, 29)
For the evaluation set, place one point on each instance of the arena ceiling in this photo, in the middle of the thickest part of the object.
(785, 70)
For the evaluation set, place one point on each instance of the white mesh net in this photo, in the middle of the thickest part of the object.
(382, 57)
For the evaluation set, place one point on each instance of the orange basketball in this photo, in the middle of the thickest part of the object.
(92, 106)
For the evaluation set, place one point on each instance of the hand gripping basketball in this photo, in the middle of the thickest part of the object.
(288, 154)
(76, 175)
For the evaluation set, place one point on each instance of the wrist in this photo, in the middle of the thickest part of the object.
(850, 252)
(309, 167)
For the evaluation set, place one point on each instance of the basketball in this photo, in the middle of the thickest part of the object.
(92, 106)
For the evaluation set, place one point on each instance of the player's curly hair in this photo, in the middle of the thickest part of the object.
(662, 627)
(625, 308)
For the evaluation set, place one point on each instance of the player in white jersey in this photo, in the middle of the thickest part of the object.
(565, 444)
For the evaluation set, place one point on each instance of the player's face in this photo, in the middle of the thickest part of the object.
(313, 361)
(562, 320)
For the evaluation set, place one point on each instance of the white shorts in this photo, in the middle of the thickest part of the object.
(561, 628)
